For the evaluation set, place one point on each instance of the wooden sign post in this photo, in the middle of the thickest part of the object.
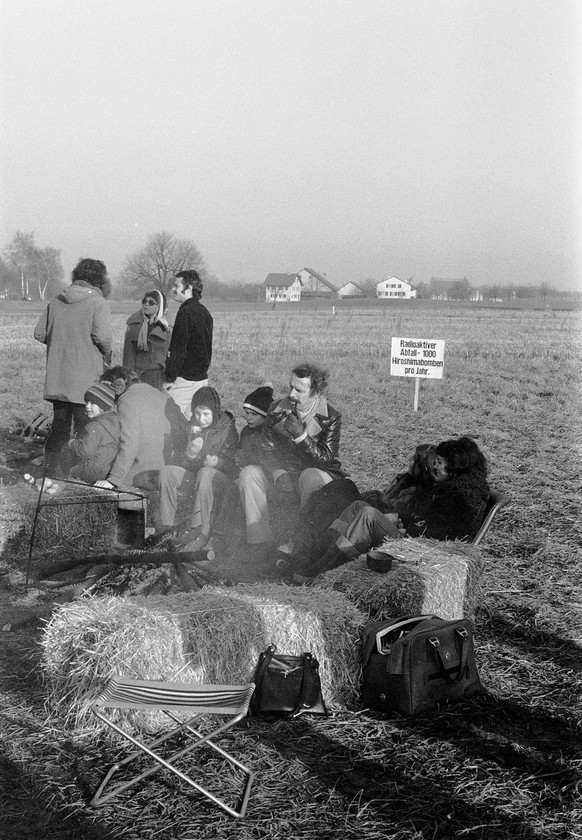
(420, 358)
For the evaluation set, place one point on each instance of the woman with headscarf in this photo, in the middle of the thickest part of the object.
(147, 340)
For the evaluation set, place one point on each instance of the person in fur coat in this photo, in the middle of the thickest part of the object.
(453, 510)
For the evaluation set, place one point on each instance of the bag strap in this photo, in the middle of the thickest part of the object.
(464, 636)
(263, 664)
(308, 669)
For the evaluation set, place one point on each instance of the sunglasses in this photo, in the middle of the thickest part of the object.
(150, 302)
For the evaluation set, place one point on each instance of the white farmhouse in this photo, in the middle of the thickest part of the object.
(395, 289)
(282, 287)
(350, 290)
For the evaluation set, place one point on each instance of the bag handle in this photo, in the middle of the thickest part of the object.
(461, 631)
(263, 664)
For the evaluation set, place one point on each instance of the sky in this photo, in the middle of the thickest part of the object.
(370, 138)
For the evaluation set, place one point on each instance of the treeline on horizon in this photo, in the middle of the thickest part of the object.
(29, 271)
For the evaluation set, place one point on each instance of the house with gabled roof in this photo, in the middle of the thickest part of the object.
(315, 285)
(395, 289)
(282, 287)
(351, 289)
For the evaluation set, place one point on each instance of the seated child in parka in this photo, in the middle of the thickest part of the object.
(98, 444)
(257, 448)
(207, 470)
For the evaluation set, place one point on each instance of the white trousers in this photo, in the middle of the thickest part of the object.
(182, 391)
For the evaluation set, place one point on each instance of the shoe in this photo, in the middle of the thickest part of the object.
(301, 579)
(284, 566)
(286, 548)
(192, 541)
(163, 537)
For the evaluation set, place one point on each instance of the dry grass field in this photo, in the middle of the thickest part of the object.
(507, 764)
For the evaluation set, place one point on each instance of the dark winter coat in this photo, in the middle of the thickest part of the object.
(454, 512)
(191, 344)
(255, 448)
(220, 439)
(149, 364)
(76, 328)
(97, 448)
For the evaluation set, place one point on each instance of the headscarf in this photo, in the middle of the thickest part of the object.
(157, 317)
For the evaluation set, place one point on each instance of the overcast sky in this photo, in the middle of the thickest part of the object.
(368, 138)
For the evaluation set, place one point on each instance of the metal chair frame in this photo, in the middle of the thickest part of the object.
(230, 700)
(494, 505)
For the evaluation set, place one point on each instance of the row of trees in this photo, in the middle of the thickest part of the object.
(28, 269)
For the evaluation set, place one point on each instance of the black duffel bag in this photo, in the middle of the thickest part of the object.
(287, 686)
(418, 664)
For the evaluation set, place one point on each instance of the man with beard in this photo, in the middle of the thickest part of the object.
(303, 431)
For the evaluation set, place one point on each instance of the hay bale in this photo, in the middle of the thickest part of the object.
(213, 635)
(430, 577)
(71, 521)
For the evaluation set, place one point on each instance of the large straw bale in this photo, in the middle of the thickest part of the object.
(76, 519)
(430, 577)
(213, 635)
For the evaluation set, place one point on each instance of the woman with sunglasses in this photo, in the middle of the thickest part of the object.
(147, 340)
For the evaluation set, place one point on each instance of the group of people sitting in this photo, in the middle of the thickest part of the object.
(155, 423)
(287, 453)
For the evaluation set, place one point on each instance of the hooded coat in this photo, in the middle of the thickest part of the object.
(76, 329)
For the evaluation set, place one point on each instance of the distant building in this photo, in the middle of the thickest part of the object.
(282, 287)
(315, 285)
(395, 289)
(350, 290)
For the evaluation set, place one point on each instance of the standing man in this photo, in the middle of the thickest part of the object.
(76, 328)
(304, 433)
(191, 345)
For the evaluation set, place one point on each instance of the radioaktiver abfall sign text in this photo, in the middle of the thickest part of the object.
(419, 357)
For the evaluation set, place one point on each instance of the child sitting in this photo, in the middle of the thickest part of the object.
(252, 444)
(258, 449)
(206, 473)
(97, 446)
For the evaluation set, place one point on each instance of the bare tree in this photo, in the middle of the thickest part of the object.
(47, 269)
(460, 289)
(154, 265)
(369, 286)
(20, 252)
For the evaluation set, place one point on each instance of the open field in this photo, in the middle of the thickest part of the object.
(505, 765)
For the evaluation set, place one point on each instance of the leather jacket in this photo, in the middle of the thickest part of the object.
(320, 446)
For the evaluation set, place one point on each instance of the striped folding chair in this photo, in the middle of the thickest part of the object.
(230, 701)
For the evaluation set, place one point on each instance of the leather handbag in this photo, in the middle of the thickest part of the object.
(287, 686)
(418, 664)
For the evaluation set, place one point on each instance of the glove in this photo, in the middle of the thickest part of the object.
(293, 426)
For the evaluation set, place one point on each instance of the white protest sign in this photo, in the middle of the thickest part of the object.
(418, 357)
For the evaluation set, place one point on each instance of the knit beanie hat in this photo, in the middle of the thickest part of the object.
(209, 398)
(101, 394)
(260, 399)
